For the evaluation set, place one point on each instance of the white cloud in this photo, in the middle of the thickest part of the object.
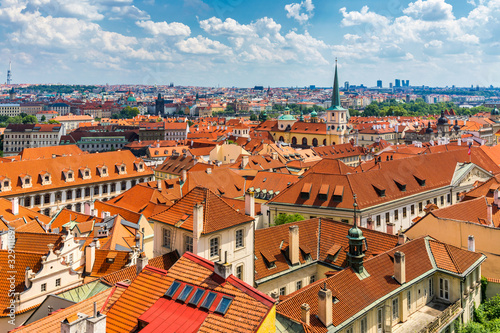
(164, 28)
(365, 16)
(131, 12)
(202, 45)
(430, 10)
(215, 26)
(301, 12)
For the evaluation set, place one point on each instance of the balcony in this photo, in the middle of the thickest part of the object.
(430, 318)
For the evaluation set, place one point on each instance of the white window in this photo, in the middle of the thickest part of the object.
(239, 238)
(380, 320)
(239, 272)
(395, 309)
(282, 291)
(312, 278)
(431, 287)
(70, 259)
(44, 287)
(167, 238)
(214, 247)
(364, 325)
(408, 295)
(58, 282)
(444, 288)
(299, 285)
(188, 243)
(349, 330)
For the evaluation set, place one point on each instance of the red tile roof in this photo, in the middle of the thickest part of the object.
(217, 214)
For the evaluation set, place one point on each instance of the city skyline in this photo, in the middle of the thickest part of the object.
(237, 43)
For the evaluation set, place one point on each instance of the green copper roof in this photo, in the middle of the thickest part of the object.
(336, 92)
(84, 291)
(286, 117)
(314, 114)
(131, 99)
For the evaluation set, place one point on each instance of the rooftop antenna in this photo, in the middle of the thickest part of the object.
(9, 73)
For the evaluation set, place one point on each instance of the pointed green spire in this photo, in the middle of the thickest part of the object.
(335, 93)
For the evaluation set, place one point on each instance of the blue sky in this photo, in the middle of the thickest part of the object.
(246, 43)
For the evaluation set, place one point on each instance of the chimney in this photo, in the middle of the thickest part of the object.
(293, 244)
(305, 313)
(250, 204)
(90, 257)
(369, 223)
(197, 221)
(184, 175)
(142, 261)
(244, 161)
(471, 245)
(325, 305)
(158, 184)
(401, 238)
(390, 228)
(209, 171)
(399, 267)
(15, 206)
(274, 155)
(489, 210)
(223, 269)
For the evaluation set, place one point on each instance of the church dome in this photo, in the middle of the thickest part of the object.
(355, 233)
(429, 129)
(286, 117)
(314, 114)
(131, 99)
(442, 120)
(495, 112)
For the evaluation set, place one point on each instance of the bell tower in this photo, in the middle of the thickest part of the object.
(337, 118)
(355, 235)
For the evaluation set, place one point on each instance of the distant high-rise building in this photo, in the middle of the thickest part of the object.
(379, 83)
(9, 74)
(346, 85)
(390, 85)
(407, 83)
(397, 83)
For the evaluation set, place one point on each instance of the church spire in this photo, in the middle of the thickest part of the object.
(336, 92)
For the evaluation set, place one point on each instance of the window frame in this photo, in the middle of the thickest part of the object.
(212, 253)
(240, 271)
(188, 244)
(165, 237)
(444, 288)
(241, 240)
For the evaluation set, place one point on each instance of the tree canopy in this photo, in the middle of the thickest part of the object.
(283, 218)
(126, 113)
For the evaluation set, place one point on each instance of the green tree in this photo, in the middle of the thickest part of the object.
(283, 218)
(43, 118)
(371, 110)
(253, 117)
(52, 121)
(29, 119)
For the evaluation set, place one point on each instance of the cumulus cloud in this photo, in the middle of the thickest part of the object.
(164, 28)
(365, 16)
(216, 26)
(301, 12)
(430, 10)
(202, 45)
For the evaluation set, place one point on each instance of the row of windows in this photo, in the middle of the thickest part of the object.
(298, 285)
(412, 209)
(43, 286)
(214, 242)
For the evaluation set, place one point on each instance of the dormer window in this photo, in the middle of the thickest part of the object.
(45, 178)
(139, 165)
(102, 170)
(5, 184)
(69, 175)
(25, 180)
(121, 168)
(85, 173)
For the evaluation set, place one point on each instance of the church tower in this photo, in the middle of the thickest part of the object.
(337, 117)
(356, 239)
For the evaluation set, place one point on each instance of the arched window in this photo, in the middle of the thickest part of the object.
(324, 142)
(282, 139)
(46, 211)
(315, 142)
(304, 141)
(123, 186)
(87, 192)
(46, 200)
(294, 141)
(27, 201)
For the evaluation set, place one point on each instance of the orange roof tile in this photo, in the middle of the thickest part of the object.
(217, 214)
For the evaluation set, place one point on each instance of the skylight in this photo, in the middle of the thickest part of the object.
(196, 298)
(207, 302)
(185, 293)
(173, 288)
(223, 305)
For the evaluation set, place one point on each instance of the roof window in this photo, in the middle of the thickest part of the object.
(173, 288)
(207, 302)
(185, 293)
(224, 304)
